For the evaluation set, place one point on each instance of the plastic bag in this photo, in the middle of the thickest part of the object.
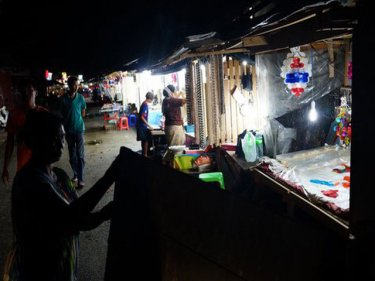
(249, 147)
(239, 150)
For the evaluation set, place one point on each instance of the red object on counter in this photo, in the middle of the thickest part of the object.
(331, 193)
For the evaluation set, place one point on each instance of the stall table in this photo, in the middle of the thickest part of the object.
(297, 193)
(157, 137)
(110, 112)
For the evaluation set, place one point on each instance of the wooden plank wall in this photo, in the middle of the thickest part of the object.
(231, 123)
(227, 103)
(235, 122)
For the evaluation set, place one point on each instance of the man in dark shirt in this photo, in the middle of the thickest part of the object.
(171, 109)
(143, 127)
(73, 109)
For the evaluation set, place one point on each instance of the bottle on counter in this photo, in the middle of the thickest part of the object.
(259, 144)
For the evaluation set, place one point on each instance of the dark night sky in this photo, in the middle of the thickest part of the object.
(93, 37)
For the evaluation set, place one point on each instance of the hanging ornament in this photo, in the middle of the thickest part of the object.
(296, 71)
(343, 127)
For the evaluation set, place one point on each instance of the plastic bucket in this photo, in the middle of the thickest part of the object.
(213, 177)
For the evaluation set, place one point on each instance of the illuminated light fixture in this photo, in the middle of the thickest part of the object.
(244, 63)
(203, 67)
(313, 114)
(251, 17)
(48, 75)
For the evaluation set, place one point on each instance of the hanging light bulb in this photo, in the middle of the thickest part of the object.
(313, 114)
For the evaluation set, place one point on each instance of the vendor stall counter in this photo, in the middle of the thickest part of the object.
(315, 180)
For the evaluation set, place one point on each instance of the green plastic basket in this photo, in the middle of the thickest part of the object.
(185, 162)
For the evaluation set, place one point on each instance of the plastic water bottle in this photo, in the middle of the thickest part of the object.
(259, 144)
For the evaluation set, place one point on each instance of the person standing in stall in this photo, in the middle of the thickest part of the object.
(73, 109)
(28, 91)
(171, 108)
(143, 127)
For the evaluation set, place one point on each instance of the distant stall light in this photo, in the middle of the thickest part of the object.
(203, 67)
(48, 75)
(64, 76)
(244, 63)
(80, 77)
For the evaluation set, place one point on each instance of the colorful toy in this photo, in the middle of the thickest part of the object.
(328, 183)
(346, 182)
(331, 193)
(343, 127)
(340, 171)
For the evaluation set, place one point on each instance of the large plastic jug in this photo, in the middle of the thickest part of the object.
(249, 147)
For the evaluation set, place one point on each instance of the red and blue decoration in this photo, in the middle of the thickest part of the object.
(296, 71)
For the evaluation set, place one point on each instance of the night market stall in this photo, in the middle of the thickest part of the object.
(270, 102)
(316, 229)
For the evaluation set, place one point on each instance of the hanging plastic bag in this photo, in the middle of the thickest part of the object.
(249, 147)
